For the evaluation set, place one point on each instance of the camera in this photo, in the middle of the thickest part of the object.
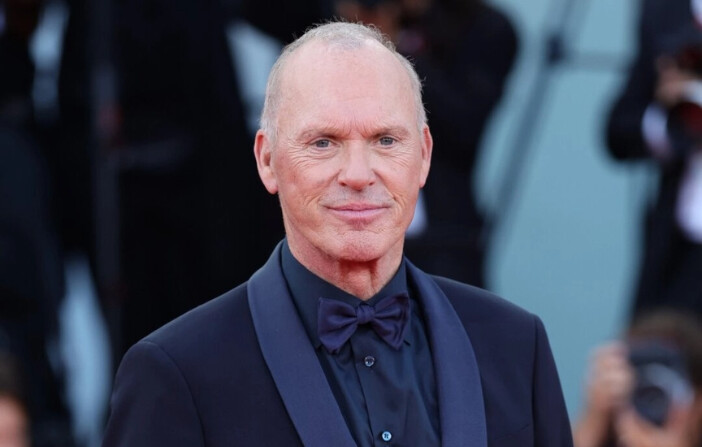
(661, 379)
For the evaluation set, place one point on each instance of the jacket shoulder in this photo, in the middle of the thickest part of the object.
(523, 399)
(209, 325)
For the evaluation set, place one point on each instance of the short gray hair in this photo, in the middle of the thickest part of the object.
(346, 36)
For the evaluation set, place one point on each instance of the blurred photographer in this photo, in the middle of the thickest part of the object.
(646, 390)
(658, 117)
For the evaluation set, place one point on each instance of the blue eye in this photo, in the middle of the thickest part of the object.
(322, 144)
(386, 141)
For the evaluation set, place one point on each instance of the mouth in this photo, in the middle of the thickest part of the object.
(358, 212)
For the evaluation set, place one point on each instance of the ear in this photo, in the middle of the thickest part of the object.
(263, 153)
(427, 146)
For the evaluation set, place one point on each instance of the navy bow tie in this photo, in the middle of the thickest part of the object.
(337, 321)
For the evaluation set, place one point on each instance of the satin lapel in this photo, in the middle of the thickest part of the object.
(292, 361)
(461, 407)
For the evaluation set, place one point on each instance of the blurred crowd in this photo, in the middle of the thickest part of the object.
(646, 389)
(131, 146)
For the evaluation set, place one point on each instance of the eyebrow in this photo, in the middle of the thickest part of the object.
(399, 131)
(316, 131)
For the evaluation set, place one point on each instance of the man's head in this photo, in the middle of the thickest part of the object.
(345, 36)
(344, 143)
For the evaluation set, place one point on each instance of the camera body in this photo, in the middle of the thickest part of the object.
(661, 379)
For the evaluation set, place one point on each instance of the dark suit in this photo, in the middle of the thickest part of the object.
(179, 98)
(240, 371)
(671, 266)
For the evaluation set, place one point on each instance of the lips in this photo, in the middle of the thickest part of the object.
(358, 211)
(357, 207)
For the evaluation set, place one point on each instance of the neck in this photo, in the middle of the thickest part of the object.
(362, 279)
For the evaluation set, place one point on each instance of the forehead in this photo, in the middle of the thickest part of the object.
(366, 83)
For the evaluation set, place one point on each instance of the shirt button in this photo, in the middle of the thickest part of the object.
(386, 436)
(369, 361)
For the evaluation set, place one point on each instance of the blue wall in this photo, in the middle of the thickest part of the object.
(567, 251)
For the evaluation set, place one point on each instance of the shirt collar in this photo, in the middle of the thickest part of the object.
(306, 288)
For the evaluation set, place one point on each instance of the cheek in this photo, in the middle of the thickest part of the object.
(300, 191)
(404, 182)
(310, 180)
(302, 170)
(407, 165)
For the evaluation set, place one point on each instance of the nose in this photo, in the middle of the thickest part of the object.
(357, 170)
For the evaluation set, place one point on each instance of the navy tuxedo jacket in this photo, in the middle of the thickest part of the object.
(240, 371)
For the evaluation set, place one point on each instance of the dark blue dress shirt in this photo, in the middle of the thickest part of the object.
(387, 396)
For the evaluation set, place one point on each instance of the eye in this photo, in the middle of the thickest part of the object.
(386, 141)
(322, 144)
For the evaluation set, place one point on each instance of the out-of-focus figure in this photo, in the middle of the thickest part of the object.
(463, 50)
(194, 218)
(646, 391)
(14, 420)
(31, 277)
(658, 117)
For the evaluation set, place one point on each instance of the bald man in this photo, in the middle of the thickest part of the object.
(338, 340)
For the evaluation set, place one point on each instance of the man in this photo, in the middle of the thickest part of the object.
(651, 122)
(394, 356)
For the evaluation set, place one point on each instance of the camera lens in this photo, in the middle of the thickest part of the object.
(661, 379)
(651, 402)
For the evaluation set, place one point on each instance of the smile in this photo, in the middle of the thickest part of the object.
(358, 211)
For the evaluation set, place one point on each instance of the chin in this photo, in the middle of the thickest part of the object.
(362, 248)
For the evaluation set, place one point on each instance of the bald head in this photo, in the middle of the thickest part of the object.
(338, 38)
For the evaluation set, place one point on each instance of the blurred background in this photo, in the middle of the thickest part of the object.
(128, 187)
(569, 245)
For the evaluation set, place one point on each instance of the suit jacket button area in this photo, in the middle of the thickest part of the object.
(369, 361)
(386, 436)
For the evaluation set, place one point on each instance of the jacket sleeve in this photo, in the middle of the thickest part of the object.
(152, 405)
(551, 423)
